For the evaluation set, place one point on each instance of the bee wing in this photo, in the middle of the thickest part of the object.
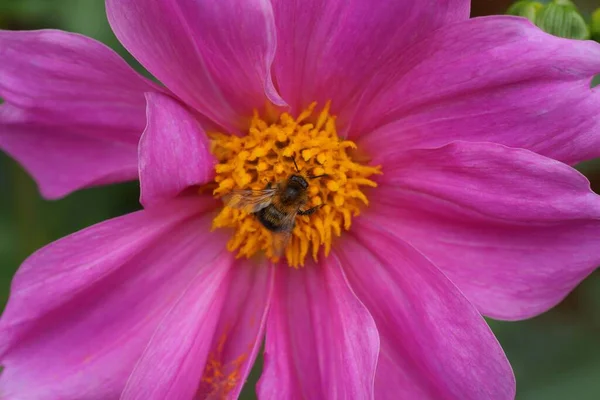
(249, 200)
(282, 238)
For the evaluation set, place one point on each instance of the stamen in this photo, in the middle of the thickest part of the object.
(269, 153)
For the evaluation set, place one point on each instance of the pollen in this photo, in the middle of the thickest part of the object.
(268, 154)
(219, 379)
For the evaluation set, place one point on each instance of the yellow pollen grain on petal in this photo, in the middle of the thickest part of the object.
(266, 155)
(220, 378)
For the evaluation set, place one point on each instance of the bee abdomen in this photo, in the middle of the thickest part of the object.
(271, 218)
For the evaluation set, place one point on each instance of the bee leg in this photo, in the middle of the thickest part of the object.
(268, 185)
(310, 211)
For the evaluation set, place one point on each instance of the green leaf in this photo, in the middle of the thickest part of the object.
(561, 18)
(526, 8)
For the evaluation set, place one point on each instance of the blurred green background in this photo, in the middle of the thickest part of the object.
(554, 356)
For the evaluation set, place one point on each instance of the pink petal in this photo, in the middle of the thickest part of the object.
(74, 109)
(240, 331)
(83, 309)
(434, 343)
(515, 231)
(174, 151)
(215, 55)
(321, 341)
(172, 364)
(497, 79)
(331, 50)
(219, 321)
(62, 159)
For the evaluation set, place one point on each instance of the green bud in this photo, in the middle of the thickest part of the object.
(561, 18)
(595, 25)
(525, 8)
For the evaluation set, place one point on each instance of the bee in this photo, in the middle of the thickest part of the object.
(276, 206)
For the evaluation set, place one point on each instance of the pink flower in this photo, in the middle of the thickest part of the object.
(473, 122)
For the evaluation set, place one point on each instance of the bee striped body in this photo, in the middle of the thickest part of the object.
(272, 218)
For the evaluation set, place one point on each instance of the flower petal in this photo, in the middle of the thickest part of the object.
(240, 332)
(83, 309)
(73, 112)
(496, 79)
(321, 341)
(515, 231)
(219, 322)
(331, 50)
(174, 151)
(215, 55)
(172, 364)
(434, 343)
(61, 158)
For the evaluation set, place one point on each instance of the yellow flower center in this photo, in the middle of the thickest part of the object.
(268, 154)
